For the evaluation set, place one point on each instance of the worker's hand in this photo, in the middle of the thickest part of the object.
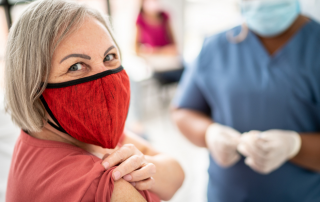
(222, 142)
(267, 151)
(132, 166)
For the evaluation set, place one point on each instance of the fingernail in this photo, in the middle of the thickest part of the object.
(133, 184)
(127, 177)
(116, 175)
(106, 165)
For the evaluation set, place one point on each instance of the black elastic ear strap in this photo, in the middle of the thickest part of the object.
(52, 116)
(56, 127)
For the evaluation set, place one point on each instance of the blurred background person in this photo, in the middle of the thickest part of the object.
(154, 33)
(257, 94)
(156, 43)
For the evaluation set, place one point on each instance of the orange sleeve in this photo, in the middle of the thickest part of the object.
(103, 189)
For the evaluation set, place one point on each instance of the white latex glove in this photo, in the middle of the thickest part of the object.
(222, 142)
(267, 151)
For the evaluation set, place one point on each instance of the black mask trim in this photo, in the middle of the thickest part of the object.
(59, 127)
(85, 79)
(56, 127)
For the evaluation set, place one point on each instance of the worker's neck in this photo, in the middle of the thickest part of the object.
(273, 44)
(151, 15)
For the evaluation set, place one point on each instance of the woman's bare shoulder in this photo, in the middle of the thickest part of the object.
(123, 191)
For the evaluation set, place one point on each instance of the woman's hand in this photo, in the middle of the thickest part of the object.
(132, 166)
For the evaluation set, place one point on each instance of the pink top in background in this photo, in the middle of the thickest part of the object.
(154, 35)
(50, 171)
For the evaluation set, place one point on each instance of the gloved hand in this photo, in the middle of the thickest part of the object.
(267, 151)
(222, 142)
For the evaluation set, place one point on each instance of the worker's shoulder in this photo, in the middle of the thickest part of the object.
(220, 40)
(311, 32)
(216, 46)
(314, 25)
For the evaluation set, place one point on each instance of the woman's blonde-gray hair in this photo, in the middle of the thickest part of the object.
(31, 44)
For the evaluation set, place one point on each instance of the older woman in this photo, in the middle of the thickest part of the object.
(67, 90)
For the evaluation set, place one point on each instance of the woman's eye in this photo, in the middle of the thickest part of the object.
(109, 57)
(75, 67)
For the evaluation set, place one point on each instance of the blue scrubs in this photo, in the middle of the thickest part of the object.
(242, 86)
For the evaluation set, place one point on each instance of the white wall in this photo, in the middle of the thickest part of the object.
(8, 135)
(311, 8)
(204, 18)
(176, 11)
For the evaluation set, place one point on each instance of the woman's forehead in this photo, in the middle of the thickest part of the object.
(90, 35)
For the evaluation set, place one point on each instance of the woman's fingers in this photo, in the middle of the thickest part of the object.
(143, 173)
(144, 184)
(119, 155)
(131, 164)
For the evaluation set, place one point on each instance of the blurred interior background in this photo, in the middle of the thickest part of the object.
(191, 21)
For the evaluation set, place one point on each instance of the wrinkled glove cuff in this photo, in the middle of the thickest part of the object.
(296, 145)
(209, 132)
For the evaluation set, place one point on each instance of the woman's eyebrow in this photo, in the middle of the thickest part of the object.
(85, 56)
(109, 49)
(76, 55)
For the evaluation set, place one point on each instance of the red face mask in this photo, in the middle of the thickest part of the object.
(91, 109)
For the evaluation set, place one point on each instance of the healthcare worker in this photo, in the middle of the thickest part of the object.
(252, 98)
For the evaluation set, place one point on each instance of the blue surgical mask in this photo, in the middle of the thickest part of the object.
(269, 18)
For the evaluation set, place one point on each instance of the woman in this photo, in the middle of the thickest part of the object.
(154, 33)
(258, 94)
(67, 90)
(155, 42)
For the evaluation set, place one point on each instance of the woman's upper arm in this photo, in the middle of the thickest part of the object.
(170, 33)
(137, 35)
(104, 188)
(123, 191)
(137, 39)
(139, 143)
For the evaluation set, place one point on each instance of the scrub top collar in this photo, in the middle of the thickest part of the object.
(264, 54)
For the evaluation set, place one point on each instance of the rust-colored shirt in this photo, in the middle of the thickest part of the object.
(51, 171)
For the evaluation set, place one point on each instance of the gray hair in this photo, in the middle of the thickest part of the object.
(31, 43)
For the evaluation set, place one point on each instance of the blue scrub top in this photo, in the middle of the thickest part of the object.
(242, 86)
